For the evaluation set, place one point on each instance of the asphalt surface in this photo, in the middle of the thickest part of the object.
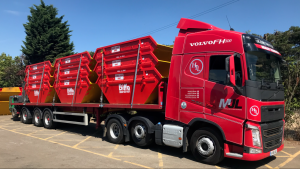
(72, 146)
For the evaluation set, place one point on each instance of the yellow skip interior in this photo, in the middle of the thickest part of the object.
(4, 98)
(163, 54)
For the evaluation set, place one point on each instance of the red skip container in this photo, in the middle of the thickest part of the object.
(120, 66)
(72, 69)
(39, 81)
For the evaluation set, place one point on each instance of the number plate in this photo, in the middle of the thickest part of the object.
(273, 152)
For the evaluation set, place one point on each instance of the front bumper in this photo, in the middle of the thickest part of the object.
(255, 157)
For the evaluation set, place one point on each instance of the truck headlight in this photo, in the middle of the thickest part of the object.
(255, 135)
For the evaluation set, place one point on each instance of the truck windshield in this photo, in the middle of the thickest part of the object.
(263, 66)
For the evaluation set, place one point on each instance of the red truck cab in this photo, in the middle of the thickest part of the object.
(245, 106)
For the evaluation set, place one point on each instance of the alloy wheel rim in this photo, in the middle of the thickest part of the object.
(114, 130)
(205, 146)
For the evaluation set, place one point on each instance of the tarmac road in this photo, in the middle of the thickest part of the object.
(72, 146)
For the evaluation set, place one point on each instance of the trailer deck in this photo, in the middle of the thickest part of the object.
(94, 105)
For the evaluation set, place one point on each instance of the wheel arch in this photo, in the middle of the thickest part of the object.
(200, 123)
(121, 119)
(150, 125)
(123, 122)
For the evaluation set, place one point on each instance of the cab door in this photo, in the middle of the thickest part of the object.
(224, 104)
(191, 87)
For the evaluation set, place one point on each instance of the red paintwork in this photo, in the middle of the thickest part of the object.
(248, 135)
(252, 102)
(21, 89)
(267, 48)
(193, 24)
(203, 97)
(32, 86)
(119, 70)
(65, 79)
(251, 157)
(232, 70)
(39, 67)
(73, 59)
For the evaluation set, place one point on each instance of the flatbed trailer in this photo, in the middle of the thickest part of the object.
(95, 105)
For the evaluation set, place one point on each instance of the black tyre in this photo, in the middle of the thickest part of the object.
(14, 114)
(26, 116)
(21, 119)
(37, 118)
(48, 120)
(139, 134)
(207, 146)
(115, 133)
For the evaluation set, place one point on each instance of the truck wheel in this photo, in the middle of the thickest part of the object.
(26, 116)
(139, 134)
(48, 121)
(14, 114)
(115, 133)
(207, 146)
(37, 120)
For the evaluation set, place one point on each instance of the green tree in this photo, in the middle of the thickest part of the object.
(47, 37)
(288, 44)
(5, 62)
(92, 53)
(254, 34)
(15, 73)
(12, 70)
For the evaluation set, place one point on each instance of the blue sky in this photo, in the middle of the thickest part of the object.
(97, 23)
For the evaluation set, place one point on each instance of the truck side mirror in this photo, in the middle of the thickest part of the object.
(230, 68)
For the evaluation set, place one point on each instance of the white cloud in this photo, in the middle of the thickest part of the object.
(12, 12)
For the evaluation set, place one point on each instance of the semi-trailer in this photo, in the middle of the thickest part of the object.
(217, 93)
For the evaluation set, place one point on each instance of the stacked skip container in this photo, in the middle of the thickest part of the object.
(75, 80)
(39, 83)
(132, 71)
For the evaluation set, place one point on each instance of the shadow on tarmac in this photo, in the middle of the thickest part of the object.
(91, 130)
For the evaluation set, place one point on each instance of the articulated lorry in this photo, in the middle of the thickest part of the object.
(217, 93)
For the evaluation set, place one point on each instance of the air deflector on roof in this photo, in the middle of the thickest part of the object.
(185, 24)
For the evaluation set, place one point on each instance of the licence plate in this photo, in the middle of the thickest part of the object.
(273, 152)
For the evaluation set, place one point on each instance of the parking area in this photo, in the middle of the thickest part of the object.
(72, 146)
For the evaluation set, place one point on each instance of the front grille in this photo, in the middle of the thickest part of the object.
(272, 132)
(271, 135)
(272, 143)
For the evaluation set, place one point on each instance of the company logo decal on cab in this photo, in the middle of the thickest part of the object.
(229, 104)
(211, 42)
(196, 66)
(254, 110)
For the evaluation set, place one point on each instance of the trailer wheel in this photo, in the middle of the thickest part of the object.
(26, 116)
(115, 133)
(48, 120)
(139, 134)
(14, 114)
(37, 119)
(207, 146)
